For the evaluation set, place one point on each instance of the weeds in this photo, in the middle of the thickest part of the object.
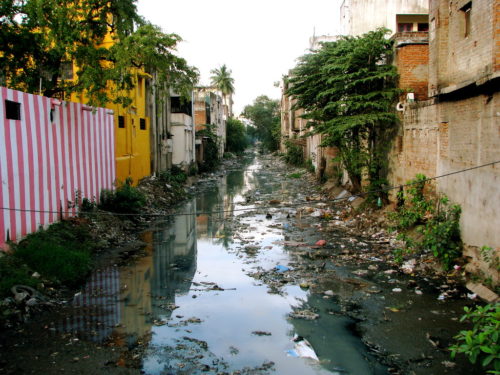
(437, 223)
(295, 175)
(294, 153)
(61, 253)
(481, 342)
(125, 199)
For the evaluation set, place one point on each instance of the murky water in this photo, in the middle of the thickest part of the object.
(193, 306)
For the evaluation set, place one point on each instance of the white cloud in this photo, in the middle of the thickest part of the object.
(258, 40)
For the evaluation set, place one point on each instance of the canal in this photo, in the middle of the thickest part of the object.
(212, 293)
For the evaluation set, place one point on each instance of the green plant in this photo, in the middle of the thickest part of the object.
(438, 221)
(61, 252)
(14, 272)
(55, 261)
(294, 153)
(416, 208)
(88, 205)
(295, 175)
(210, 149)
(125, 199)
(441, 235)
(480, 342)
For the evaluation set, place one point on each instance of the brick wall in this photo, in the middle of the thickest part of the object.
(457, 59)
(412, 62)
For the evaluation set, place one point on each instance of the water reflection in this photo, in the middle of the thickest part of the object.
(190, 295)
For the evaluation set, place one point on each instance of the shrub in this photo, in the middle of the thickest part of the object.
(294, 153)
(481, 342)
(438, 221)
(125, 199)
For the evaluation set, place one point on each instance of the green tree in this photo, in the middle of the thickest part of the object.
(348, 89)
(222, 80)
(236, 136)
(41, 39)
(265, 117)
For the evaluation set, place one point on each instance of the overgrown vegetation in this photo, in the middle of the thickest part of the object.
(43, 42)
(61, 254)
(481, 342)
(294, 153)
(210, 149)
(436, 220)
(265, 117)
(236, 136)
(126, 199)
(347, 89)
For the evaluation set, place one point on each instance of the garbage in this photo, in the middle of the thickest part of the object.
(261, 333)
(302, 348)
(280, 268)
(397, 290)
(321, 243)
(304, 314)
(329, 293)
(409, 266)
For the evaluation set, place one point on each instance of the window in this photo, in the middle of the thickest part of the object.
(121, 122)
(423, 27)
(403, 27)
(12, 110)
(466, 11)
(142, 124)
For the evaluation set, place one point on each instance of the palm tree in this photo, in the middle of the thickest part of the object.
(223, 81)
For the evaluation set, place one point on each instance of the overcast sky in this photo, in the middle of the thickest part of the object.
(258, 40)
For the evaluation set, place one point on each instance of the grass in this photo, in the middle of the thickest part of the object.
(295, 175)
(61, 254)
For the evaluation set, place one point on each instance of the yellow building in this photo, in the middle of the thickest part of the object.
(132, 129)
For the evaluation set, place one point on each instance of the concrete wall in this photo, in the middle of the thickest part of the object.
(361, 16)
(52, 151)
(470, 136)
(183, 139)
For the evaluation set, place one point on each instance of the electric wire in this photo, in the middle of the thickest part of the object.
(289, 205)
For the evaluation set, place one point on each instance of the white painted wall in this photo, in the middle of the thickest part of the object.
(183, 139)
(361, 16)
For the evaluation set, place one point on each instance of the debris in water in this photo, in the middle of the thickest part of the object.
(302, 349)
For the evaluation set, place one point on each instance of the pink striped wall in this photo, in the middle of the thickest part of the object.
(43, 163)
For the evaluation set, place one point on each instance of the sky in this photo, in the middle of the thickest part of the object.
(258, 40)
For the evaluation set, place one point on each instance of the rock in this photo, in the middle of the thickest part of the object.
(483, 292)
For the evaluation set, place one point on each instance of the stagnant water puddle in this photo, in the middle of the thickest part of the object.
(193, 304)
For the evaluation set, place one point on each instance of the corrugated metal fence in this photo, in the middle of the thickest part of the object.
(49, 151)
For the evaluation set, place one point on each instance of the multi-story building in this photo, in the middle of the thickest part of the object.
(209, 109)
(458, 127)
(361, 16)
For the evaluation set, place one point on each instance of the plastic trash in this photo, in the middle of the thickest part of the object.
(302, 348)
(281, 268)
(321, 243)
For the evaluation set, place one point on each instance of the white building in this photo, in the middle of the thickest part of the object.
(361, 16)
(183, 132)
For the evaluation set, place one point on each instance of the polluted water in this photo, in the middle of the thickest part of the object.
(216, 292)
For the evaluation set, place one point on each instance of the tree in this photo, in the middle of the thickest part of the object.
(42, 41)
(264, 115)
(223, 81)
(236, 136)
(348, 90)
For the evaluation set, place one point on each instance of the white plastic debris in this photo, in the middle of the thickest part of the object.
(302, 348)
